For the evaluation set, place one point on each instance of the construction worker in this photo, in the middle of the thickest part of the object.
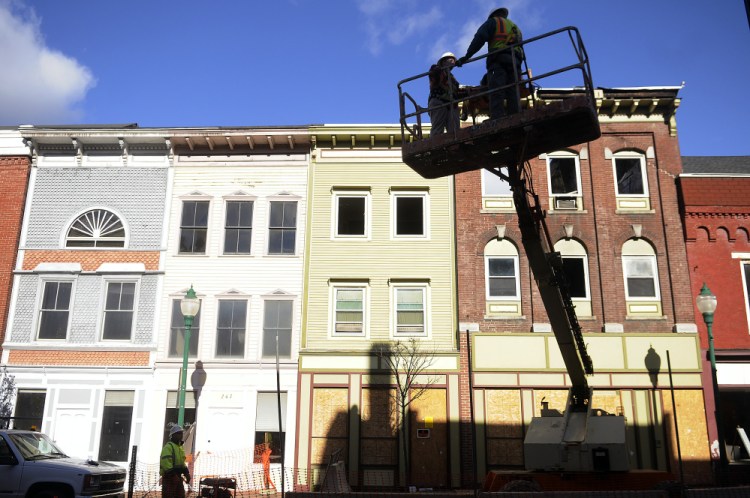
(172, 466)
(503, 64)
(443, 89)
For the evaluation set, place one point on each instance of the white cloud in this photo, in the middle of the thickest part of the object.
(38, 85)
(394, 23)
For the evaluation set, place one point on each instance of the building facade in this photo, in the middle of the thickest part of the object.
(715, 197)
(379, 271)
(82, 324)
(612, 213)
(235, 233)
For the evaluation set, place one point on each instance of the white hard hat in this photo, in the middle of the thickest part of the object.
(175, 429)
(446, 55)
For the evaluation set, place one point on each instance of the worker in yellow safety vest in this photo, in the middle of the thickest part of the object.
(172, 466)
(503, 63)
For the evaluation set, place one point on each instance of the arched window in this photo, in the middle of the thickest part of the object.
(501, 270)
(576, 268)
(96, 228)
(639, 270)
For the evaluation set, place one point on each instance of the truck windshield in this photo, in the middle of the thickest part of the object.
(34, 446)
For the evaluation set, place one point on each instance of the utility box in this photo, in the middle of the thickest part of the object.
(602, 449)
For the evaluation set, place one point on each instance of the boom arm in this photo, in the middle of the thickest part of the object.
(547, 268)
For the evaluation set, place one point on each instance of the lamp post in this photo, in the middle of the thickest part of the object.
(706, 303)
(189, 306)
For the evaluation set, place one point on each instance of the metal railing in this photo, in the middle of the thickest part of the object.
(412, 113)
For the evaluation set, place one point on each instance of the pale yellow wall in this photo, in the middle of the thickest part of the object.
(380, 258)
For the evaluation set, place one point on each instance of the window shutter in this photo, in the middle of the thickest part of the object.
(267, 415)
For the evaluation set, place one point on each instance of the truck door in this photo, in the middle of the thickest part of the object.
(10, 471)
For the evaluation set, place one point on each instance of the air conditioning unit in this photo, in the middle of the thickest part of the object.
(563, 203)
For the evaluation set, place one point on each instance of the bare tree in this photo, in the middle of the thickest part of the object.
(7, 390)
(408, 363)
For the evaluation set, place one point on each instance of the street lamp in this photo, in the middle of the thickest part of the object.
(706, 303)
(189, 306)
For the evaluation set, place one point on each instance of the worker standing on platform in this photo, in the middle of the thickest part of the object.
(172, 465)
(443, 89)
(503, 65)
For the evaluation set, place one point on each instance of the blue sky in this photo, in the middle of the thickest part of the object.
(295, 62)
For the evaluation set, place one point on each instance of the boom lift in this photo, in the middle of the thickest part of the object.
(549, 120)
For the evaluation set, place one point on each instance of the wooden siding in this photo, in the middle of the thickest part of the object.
(380, 259)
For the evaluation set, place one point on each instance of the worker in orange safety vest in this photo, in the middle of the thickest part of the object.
(503, 64)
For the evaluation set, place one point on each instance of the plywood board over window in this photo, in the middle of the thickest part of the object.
(330, 427)
(504, 427)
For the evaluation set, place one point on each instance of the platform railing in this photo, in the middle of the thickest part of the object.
(412, 114)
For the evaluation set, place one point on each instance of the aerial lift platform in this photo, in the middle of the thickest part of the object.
(549, 120)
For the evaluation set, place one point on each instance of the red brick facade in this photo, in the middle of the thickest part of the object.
(90, 260)
(601, 229)
(79, 358)
(717, 222)
(14, 179)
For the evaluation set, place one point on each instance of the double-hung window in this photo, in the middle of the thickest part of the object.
(410, 310)
(641, 275)
(496, 192)
(502, 277)
(349, 311)
(231, 327)
(177, 332)
(55, 310)
(564, 180)
(194, 227)
(277, 328)
(631, 181)
(282, 227)
(351, 211)
(575, 268)
(410, 214)
(238, 227)
(119, 311)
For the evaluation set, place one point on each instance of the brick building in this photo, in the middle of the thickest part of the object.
(715, 197)
(612, 213)
(14, 178)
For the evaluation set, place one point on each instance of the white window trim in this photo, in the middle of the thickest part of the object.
(487, 278)
(564, 155)
(644, 173)
(266, 241)
(106, 280)
(338, 194)
(236, 198)
(332, 309)
(395, 194)
(292, 352)
(426, 300)
(196, 198)
(744, 290)
(217, 301)
(71, 220)
(585, 259)
(654, 267)
(40, 296)
(484, 182)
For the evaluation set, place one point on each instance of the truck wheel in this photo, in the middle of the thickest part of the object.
(50, 493)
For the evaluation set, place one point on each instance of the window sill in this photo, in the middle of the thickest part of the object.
(515, 318)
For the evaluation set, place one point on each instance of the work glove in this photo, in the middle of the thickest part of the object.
(461, 61)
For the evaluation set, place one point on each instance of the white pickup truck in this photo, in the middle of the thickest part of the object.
(31, 466)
